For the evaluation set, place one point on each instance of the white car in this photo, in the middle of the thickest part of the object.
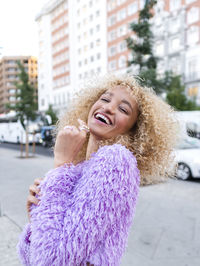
(188, 158)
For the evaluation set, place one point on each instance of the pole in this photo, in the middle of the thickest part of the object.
(33, 151)
(27, 144)
(21, 145)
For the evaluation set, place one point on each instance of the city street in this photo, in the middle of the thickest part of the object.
(166, 228)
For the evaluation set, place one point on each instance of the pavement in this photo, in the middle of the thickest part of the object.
(166, 228)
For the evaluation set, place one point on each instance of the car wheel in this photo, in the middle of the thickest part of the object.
(183, 171)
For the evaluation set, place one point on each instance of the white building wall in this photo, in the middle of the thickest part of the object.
(45, 92)
(88, 40)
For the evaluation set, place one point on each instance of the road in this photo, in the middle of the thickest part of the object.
(166, 228)
(39, 149)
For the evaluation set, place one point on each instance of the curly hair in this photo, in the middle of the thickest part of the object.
(151, 139)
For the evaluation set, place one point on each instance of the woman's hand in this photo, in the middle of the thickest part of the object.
(68, 143)
(33, 191)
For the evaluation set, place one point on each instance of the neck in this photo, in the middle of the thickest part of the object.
(93, 145)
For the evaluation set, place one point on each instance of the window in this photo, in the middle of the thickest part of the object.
(112, 20)
(11, 91)
(122, 61)
(112, 65)
(91, 58)
(193, 15)
(121, 14)
(43, 102)
(142, 3)
(175, 65)
(132, 9)
(98, 69)
(189, 1)
(112, 50)
(12, 98)
(159, 49)
(122, 46)
(91, 45)
(112, 35)
(112, 4)
(120, 2)
(174, 4)
(175, 24)
(79, 63)
(122, 30)
(192, 68)
(193, 35)
(98, 42)
(97, 13)
(91, 17)
(98, 56)
(175, 44)
(97, 28)
(91, 31)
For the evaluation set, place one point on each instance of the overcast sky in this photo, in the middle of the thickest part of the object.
(18, 29)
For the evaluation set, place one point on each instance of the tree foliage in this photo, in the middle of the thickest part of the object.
(26, 104)
(142, 47)
(52, 114)
(176, 93)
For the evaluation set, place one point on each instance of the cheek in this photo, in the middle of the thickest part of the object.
(124, 123)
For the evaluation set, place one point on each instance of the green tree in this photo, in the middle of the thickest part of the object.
(26, 104)
(141, 48)
(52, 114)
(175, 91)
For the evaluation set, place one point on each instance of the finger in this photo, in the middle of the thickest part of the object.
(37, 181)
(33, 189)
(83, 126)
(68, 127)
(32, 200)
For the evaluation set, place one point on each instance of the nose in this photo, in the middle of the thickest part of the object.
(109, 108)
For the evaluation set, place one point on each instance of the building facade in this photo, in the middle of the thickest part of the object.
(176, 27)
(9, 75)
(80, 39)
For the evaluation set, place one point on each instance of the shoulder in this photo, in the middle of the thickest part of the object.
(115, 152)
(115, 158)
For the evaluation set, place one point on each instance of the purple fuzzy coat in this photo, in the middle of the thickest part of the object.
(85, 212)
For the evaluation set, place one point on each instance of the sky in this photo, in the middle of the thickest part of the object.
(18, 28)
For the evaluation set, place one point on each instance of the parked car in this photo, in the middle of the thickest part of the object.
(188, 158)
(47, 136)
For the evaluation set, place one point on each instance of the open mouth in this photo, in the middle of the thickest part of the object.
(103, 118)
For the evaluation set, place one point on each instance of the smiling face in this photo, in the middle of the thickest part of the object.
(114, 113)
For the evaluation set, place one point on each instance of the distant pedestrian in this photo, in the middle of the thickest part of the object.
(115, 136)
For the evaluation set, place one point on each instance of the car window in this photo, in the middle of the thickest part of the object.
(189, 143)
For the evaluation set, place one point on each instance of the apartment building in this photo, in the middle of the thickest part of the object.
(9, 75)
(91, 37)
(72, 47)
(176, 27)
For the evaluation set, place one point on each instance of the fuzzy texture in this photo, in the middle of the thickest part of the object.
(85, 212)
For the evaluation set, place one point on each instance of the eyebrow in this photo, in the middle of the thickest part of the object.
(123, 101)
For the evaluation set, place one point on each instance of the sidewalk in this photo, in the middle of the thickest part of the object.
(166, 229)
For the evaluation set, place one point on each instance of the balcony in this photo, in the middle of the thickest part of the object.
(192, 77)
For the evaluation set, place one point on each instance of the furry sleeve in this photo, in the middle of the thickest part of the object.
(92, 225)
(56, 187)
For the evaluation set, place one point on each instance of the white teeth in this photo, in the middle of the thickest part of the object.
(103, 117)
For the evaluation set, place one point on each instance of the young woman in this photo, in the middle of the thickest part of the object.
(82, 211)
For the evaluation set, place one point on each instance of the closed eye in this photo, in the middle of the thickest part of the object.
(105, 100)
(123, 110)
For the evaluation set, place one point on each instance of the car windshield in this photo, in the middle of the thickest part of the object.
(189, 143)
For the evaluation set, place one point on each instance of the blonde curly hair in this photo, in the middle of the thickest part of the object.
(151, 139)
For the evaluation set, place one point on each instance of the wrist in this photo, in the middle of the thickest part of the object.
(60, 162)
